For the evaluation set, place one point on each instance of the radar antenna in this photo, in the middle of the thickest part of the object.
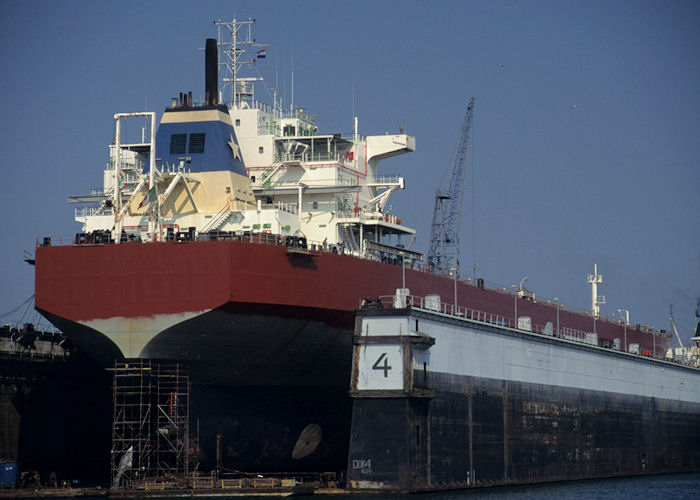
(443, 256)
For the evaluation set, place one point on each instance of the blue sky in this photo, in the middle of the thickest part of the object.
(554, 187)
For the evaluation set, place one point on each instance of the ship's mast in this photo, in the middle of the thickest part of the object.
(234, 55)
(596, 301)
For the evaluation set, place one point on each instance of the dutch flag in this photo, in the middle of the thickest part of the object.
(261, 53)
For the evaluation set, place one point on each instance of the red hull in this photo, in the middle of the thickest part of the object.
(77, 284)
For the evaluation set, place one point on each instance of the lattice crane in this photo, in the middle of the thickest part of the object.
(443, 256)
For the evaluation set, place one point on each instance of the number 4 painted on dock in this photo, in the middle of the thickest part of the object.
(384, 367)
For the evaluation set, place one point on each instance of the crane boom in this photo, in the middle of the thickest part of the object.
(673, 325)
(443, 256)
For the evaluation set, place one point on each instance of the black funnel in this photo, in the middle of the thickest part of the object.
(211, 74)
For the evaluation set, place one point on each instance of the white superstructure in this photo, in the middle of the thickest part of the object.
(324, 190)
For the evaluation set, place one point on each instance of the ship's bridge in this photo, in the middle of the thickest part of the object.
(307, 149)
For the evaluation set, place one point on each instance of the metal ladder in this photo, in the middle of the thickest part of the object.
(349, 238)
(218, 220)
(267, 181)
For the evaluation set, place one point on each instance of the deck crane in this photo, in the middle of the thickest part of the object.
(443, 256)
(673, 325)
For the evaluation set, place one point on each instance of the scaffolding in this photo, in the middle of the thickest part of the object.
(150, 425)
(173, 412)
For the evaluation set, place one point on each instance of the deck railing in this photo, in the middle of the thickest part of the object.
(435, 304)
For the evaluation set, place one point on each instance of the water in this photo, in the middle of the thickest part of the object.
(670, 487)
(673, 486)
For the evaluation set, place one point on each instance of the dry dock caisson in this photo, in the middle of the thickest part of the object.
(450, 398)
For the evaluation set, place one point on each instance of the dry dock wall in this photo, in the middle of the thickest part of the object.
(487, 405)
(55, 408)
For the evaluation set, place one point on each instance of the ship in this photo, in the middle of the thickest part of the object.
(237, 241)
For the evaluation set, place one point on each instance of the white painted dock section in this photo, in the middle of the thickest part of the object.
(469, 348)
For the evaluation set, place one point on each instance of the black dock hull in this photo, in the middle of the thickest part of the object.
(484, 432)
